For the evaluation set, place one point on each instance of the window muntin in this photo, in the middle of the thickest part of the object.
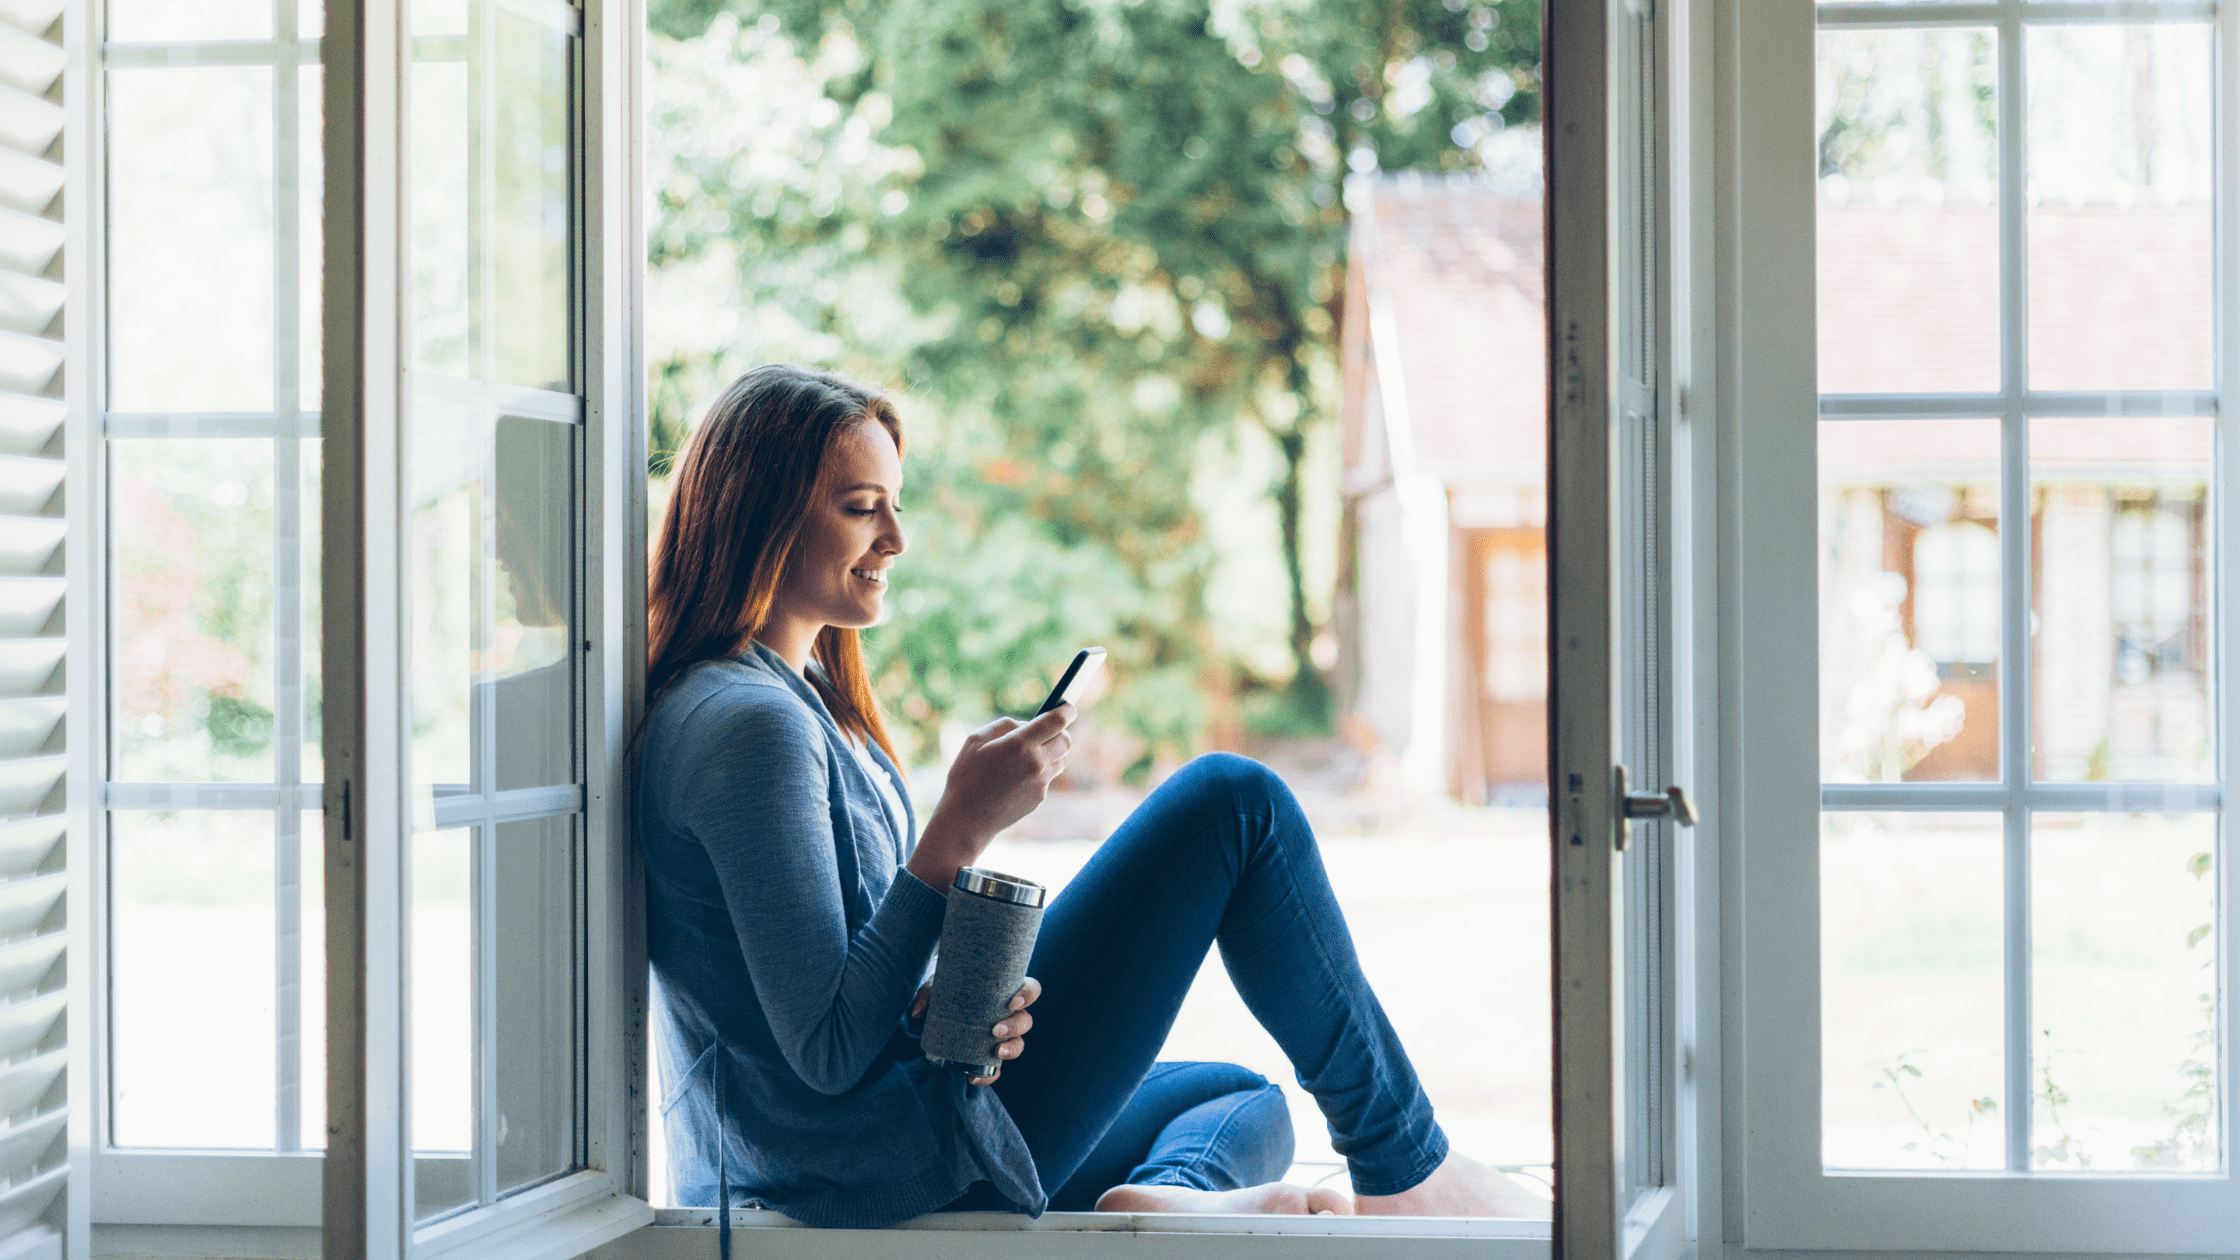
(491, 603)
(210, 449)
(2100, 136)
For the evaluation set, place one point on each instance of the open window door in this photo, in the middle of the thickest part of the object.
(1613, 815)
(483, 537)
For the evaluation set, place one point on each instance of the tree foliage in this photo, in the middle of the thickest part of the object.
(1103, 240)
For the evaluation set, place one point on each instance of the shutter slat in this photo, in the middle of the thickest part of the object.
(39, 1242)
(28, 545)
(30, 1142)
(34, 1085)
(28, 64)
(28, 183)
(29, 727)
(26, 904)
(27, 364)
(29, 426)
(32, 17)
(32, 1023)
(31, 666)
(25, 965)
(28, 304)
(22, 1204)
(28, 485)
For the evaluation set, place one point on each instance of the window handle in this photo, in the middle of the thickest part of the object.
(1672, 803)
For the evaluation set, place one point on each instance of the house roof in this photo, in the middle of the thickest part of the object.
(1458, 268)
(2118, 299)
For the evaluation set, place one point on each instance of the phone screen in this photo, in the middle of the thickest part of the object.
(1085, 662)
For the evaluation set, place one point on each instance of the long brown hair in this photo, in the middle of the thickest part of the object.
(739, 496)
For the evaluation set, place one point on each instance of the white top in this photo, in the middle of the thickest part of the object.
(888, 794)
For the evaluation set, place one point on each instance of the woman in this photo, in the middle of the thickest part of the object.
(792, 922)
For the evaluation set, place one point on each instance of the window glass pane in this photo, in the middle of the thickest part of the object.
(2123, 637)
(530, 236)
(538, 1050)
(439, 17)
(2122, 993)
(310, 220)
(190, 160)
(191, 532)
(440, 180)
(445, 605)
(530, 652)
(441, 919)
(311, 18)
(310, 459)
(2120, 125)
(1911, 993)
(1908, 211)
(1909, 600)
(191, 946)
(312, 955)
(150, 21)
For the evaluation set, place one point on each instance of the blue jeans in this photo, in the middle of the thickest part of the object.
(1219, 854)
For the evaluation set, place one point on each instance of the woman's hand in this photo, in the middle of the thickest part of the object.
(999, 777)
(1011, 1033)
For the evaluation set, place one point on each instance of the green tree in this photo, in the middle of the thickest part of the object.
(1098, 237)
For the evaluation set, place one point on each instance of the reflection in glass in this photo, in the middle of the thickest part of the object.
(190, 160)
(191, 937)
(535, 683)
(191, 670)
(537, 1045)
(153, 21)
(1907, 223)
(2122, 598)
(1909, 600)
(440, 183)
(1911, 999)
(2120, 128)
(441, 1015)
(444, 605)
(530, 228)
(2123, 993)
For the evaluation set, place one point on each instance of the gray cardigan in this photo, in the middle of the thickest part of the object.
(787, 943)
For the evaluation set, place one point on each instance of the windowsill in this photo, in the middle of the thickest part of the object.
(682, 1233)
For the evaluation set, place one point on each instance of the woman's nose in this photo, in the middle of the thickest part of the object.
(892, 540)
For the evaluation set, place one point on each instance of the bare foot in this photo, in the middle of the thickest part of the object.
(1461, 1186)
(1277, 1198)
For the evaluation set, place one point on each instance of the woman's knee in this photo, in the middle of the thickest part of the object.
(1230, 777)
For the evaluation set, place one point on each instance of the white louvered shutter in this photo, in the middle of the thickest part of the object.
(33, 1146)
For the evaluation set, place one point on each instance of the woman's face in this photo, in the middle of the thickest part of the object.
(838, 572)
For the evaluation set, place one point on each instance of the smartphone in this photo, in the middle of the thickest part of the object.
(1086, 662)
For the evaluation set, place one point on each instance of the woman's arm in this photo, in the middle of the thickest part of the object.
(759, 801)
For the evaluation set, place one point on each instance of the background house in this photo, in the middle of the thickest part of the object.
(1441, 608)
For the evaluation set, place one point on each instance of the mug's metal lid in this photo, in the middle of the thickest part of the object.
(1001, 887)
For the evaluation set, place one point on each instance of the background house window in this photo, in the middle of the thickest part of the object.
(1956, 593)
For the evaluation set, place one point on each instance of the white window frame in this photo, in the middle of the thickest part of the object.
(1782, 1202)
(366, 1209)
(270, 1203)
(137, 1187)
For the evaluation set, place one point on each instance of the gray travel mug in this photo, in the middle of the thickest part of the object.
(987, 935)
